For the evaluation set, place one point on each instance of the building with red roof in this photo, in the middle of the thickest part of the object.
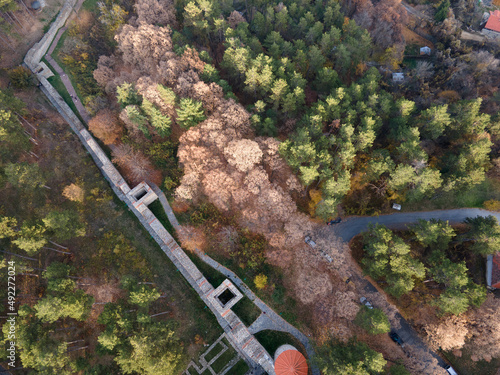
(492, 27)
(493, 271)
(289, 361)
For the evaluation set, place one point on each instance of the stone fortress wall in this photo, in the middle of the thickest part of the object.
(237, 333)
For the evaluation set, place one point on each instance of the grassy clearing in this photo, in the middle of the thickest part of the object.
(55, 56)
(410, 63)
(223, 360)
(212, 353)
(90, 5)
(464, 365)
(58, 84)
(46, 27)
(214, 277)
(58, 46)
(246, 310)
(272, 340)
(157, 209)
(475, 197)
(240, 368)
(275, 295)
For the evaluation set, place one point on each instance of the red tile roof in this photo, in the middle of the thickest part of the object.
(291, 362)
(494, 21)
(495, 272)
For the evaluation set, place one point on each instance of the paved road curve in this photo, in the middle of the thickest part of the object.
(352, 226)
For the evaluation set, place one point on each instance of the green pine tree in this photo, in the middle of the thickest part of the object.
(189, 113)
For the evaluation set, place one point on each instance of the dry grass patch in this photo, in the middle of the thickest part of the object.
(412, 37)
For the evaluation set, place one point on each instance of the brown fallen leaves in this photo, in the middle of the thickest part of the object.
(478, 331)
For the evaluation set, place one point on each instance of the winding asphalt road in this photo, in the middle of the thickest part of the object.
(352, 226)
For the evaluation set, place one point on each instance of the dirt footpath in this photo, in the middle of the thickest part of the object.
(470, 36)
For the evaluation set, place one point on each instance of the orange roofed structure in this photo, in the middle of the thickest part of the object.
(289, 361)
(493, 24)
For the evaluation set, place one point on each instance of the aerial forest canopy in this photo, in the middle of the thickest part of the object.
(252, 116)
(302, 71)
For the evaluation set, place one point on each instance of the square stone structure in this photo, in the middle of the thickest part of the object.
(425, 51)
(398, 77)
(141, 196)
(226, 285)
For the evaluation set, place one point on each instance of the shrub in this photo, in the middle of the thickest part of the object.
(170, 184)
(374, 321)
(21, 77)
(492, 205)
(260, 281)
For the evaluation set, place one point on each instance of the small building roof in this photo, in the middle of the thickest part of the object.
(398, 76)
(289, 361)
(493, 271)
(493, 21)
(36, 5)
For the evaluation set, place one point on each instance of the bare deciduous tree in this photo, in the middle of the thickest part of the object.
(235, 18)
(448, 334)
(74, 193)
(243, 154)
(485, 330)
(346, 305)
(156, 12)
(143, 47)
(136, 166)
(105, 126)
(104, 72)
